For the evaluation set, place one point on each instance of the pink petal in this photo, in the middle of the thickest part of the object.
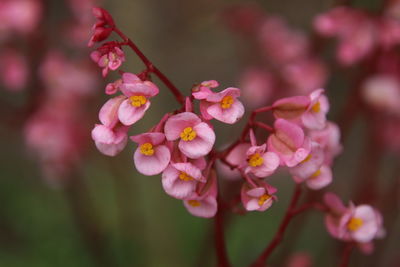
(291, 108)
(130, 78)
(189, 169)
(230, 115)
(322, 180)
(201, 145)
(152, 165)
(175, 187)
(129, 114)
(207, 209)
(108, 114)
(152, 138)
(175, 124)
(217, 97)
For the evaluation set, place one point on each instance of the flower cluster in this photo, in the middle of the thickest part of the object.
(358, 32)
(287, 65)
(360, 224)
(181, 146)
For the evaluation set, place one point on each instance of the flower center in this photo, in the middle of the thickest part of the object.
(227, 102)
(316, 174)
(194, 203)
(316, 107)
(188, 134)
(147, 149)
(307, 158)
(185, 177)
(263, 198)
(354, 224)
(138, 100)
(256, 160)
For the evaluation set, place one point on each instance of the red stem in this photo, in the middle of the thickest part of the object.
(260, 261)
(150, 66)
(344, 262)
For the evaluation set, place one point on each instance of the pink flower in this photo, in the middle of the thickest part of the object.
(110, 137)
(137, 101)
(225, 107)
(310, 165)
(260, 162)
(321, 178)
(355, 223)
(289, 142)
(315, 116)
(109, 57)
(329, 139)
(203, 202)
(152, 156)
(258, 198)
(196, 137)
(179, 180)
(222, 106)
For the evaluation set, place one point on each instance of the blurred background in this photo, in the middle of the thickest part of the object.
(62, 203)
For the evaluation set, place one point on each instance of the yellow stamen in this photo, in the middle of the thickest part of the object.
(185, 177)
(255, 160)
(138, 100)
(188, 134)
(316, 107)
(307, 158)
(263, 198)
(316, 174)
(227, 102)
(194, 203)
(147, 149)
(354, 224)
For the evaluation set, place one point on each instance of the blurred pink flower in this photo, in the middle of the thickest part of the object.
(289, 142)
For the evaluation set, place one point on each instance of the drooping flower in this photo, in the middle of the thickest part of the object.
(310, 165)
(289, 142)
(111, 136)
(196, 137)
(179, 180)
(137, 101)
(258, 198)
(152, 156)
(321, 178)
(329, 140)
(203, 202)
